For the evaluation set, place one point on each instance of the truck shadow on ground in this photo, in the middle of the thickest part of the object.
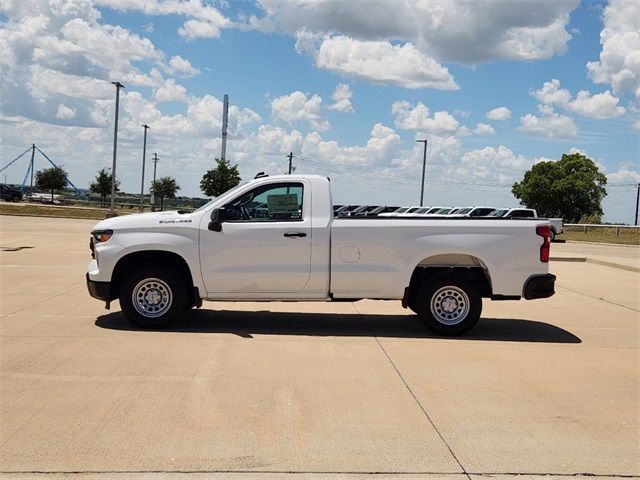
(246, 324)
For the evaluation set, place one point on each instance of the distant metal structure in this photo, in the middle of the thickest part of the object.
(31, 169)
(225, 121)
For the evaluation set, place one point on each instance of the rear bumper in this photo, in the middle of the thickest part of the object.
(99, 290)
(539, 286)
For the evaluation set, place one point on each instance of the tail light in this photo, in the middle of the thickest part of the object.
(545, 232)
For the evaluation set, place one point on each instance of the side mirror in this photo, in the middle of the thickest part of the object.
(217, 217)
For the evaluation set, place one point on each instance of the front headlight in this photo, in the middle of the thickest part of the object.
(101, 236)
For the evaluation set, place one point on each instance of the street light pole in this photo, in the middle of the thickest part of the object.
(144, 154)
(424, 166)
(33, 155)
(112, 212)
(637, 202)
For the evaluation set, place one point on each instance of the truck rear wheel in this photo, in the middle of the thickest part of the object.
(152, 295)
(448, 305)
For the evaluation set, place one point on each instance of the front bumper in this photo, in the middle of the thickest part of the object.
(539, 286)
(99, 290)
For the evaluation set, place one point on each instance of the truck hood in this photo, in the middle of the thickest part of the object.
(145, 220)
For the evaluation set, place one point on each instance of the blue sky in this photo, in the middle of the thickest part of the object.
(346, 86)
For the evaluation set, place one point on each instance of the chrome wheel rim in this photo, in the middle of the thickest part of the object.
(152, 297)
(449, 305)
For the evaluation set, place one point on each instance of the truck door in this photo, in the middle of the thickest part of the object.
(265, 246)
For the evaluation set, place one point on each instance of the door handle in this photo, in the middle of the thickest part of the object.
(296, 234)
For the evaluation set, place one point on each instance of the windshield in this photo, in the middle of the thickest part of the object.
(211, 202)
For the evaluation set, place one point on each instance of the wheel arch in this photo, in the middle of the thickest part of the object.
(472, 268)
(134, 260)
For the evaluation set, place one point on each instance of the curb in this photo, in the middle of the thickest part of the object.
(625, 245)
(568, 259)
(614, 265)
(595, 261)
(47, 216)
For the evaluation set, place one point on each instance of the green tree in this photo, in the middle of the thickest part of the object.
(102, 185)
(570, 188)
(51, 179)
(164, 187)
(220, 179)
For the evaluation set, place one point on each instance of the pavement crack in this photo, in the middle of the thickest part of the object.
(41, 301)
(599, 298)
(415, 398)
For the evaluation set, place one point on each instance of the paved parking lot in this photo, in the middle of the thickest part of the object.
(310, 390)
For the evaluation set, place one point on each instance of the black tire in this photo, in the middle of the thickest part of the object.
(552, 234)
(15, 198)
(460, 296)
(161, 295)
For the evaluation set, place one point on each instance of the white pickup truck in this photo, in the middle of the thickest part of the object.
(276, 238)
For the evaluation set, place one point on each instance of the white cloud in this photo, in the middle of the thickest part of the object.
(636, 125)
(450, 30)
(499, 113)
(342, 98)
(549, 124)
(483, 129)
(500, 165)
(625, 174)
(170, 91)
(53, 49)
(619, 64)
(419, 118)
(599, 106)
(179, 65)
(205, 21)
(65, 113)
(381, 147)
(296, 107)
(384, 63)
(193, 29)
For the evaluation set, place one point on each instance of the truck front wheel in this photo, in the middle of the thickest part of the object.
(152, 295)
(448, 304)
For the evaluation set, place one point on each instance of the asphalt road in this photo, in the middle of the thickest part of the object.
(309, 390)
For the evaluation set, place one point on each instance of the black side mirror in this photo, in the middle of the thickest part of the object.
(217, 217)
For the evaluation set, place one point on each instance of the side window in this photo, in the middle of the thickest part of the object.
(278, 202)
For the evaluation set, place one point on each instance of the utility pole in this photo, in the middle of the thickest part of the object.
(112, 212)
(144, 154)
(290, 156)
(424, 166)
(637, 200)
(225, 120)
(153, 193)
(33, 154)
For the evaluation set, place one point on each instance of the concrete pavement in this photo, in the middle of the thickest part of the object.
(617, 256)
(309, 390)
